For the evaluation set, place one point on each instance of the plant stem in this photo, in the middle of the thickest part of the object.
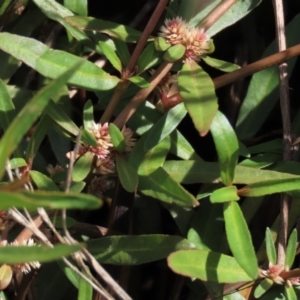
(129, 110)
(129, 70)
(286, 122)
(216, 14)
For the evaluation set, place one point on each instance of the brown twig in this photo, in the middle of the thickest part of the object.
(216, 14)
(129, 70)
(286, 122)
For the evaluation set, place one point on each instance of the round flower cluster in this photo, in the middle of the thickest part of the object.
(197, 42)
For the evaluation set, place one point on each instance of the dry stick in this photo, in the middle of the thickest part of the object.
(257, 66)
(287, 135)
(216, 14)
(123, 84)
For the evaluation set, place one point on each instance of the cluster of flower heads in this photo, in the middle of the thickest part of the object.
(197, 42)
(104, 153)
(22, 267)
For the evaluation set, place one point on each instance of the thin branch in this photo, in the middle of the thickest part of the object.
(216, 14)
(286, 122)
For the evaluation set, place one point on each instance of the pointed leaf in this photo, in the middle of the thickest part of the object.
(82, 166)
(124, 33)
(80, 7)
(227, 147)
(221, 65)
(263, 91)
(23, 254)
(28, 116)
(85, 290)
(117, 138)
(42, 181)
(52, 63)
(111, 55)
(135, 250)
(270, 247)
(164, 126)
(54, 200)
(225, 194)
(127, 174)
(149, 58)
(160, 185)
(291, 249)
(290, 293)
(207, 266)
(198, 93)
(139, 81)
(161, 44)
(239, 238)
(7, 107)
(263, 287)
(88, 115)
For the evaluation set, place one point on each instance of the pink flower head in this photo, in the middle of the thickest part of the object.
(173, 31)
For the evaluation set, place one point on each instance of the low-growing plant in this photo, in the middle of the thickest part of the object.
(90, 117)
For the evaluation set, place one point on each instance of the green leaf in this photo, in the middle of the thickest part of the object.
(88, 115)
(149, 58)
(261, 160)
(160, 185)
(117, 138)
(263, 91)
(122, 52)
(64, 121)
(52, 63)
(77, 187)
(290, 293)
(220, 64)
(227, 146)
(85, 290)
(23, 254)
(54, 200)
(7, 107)
(273, 146)
(263, 287)
(238, 11)
(291, 249)
(198, 93)
(17, 163)
(207, 227)
(270, 187)
(123, 33)
(270, 247)
(225, 194)
(174, 53)
(82, 166)
(139, 81)
(207, 266)
(80, 7)
(111, 55)
(127, 174)
(135, 250)
(160, 44)
(31, 111)
(42, 181)
(6, 274)
(239, 238)
(164, 126)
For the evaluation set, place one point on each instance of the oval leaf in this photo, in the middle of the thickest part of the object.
(174, 53)
(270, 247)
(6, 274)
(43, 182)
(291, 249)
(263, 287)
(82, 166)
(117, 138)
(198, 93)
(239, 239)
(207, 266)
(220, 64)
